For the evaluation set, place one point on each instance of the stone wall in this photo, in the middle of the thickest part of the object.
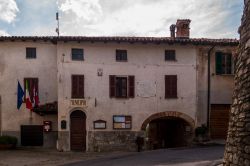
(237, 151)
(99, 141)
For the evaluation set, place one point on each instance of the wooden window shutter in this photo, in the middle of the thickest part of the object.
(167, 87)
(74, 86)
(81, 86)
(131, 86)
(218, 59)
(112, 86)
(174, 86)
(171, 86)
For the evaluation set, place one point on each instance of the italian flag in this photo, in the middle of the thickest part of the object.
(27, 97)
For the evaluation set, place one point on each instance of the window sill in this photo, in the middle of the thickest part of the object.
(122, 61)
(167, 98)
(174, 60)
(224, 74)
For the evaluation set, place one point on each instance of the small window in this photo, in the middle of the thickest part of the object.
(122, 86)
(170, 55)
(170, 86)
(122, 122)
(224, 63)
(77, 83)
(30, 53)
(121, 55)
(77, 54)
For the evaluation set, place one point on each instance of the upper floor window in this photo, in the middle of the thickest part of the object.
(77, 54)
(121, 55)
(170, 55)
(171, 86)
(122, 86)
(77, 86)
(30, 53)
(224, 63)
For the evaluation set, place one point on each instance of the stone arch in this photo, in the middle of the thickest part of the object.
(174, 114)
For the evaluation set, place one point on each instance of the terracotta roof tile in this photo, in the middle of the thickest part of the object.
(157, 40)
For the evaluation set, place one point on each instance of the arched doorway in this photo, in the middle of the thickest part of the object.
(78, 130)
(168, 130)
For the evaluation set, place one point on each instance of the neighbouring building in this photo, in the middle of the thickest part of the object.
(237, 151)
(101, 93)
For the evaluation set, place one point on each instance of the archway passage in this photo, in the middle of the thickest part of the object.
(168, 129)
(78, 131)
(168, 132)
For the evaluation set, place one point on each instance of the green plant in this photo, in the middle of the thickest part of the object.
(5, 140)
(202, 131)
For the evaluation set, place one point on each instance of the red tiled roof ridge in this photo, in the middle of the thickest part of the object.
(203, 41)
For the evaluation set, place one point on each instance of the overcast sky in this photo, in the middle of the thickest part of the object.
(210, 18)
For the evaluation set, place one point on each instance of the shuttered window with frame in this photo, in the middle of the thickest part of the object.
(224, 63)
(77, 54)
(30, 53)
(121, 86)
(32, 84)
(121, 55)
(77, 82)
(170, 86)
(170, 55)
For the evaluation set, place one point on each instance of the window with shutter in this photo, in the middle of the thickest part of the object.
(77, 54)
(31, 84)
(77, 86)
(121, 86)
(30, 53)
(224, 64)
(121, 55)
(170, 55)
(171, 86)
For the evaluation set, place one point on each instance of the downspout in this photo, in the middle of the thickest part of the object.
(208, 87)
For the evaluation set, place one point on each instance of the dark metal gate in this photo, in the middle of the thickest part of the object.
(32, 135)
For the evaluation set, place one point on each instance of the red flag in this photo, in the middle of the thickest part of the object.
(27, 97)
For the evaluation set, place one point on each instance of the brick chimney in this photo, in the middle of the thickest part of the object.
(182, 26)
(172, 31)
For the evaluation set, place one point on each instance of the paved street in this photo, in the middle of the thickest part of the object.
(202, 156)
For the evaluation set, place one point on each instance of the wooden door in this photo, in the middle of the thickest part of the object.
(219, 119)
(78, 131)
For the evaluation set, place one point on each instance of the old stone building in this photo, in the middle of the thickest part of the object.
(100, 93)
(238, 141)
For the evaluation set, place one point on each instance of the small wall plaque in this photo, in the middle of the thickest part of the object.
(99, 72)
(99, 124)
(63, 124)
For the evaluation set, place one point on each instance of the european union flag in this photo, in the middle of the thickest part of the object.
(20, 94)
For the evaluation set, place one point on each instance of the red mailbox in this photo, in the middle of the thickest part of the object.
(47, 126)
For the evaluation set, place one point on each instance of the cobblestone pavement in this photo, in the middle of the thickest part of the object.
(199, 156)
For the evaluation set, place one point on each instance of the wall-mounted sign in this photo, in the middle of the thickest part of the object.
(122, 122)
(47, 126)
(78, 103)
(99, 72)
(63, 124)
(99, 124)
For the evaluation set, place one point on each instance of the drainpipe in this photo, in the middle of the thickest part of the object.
(208, 87)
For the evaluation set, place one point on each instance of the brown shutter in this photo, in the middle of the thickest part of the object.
(81, 86)
(174, 86)
(112, 86)
(167, 86)
(171, 86)
(131, 86)
(74, 86)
